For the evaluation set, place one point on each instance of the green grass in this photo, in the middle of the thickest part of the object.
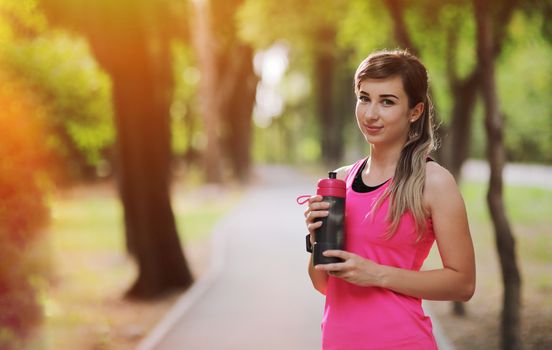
(524, 205)
(529, 213)
(95, 224)
(195, 223)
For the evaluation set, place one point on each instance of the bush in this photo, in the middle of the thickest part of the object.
(22, 211)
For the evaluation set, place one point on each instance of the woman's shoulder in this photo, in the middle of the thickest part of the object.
(439, 179)
(343, 171)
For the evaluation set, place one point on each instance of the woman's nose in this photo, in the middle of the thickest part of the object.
(371, 112)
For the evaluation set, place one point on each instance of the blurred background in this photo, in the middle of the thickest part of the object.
(128, 128)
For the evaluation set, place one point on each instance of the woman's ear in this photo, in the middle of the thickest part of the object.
(416, 112)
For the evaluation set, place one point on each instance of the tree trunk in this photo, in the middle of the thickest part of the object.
(511, 330)
(130, 43)
(205, 46)
(464, 93)
(325, 72)
(402, 36)
(143, 144)
(238, 108)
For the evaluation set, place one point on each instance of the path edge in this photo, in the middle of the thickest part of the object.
(190, 296)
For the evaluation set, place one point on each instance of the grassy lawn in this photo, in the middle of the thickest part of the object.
(83, 305)
(530, 214)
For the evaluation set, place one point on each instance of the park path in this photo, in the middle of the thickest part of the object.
(257, 294)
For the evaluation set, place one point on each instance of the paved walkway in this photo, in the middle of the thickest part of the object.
(258, 294)
(534, 175)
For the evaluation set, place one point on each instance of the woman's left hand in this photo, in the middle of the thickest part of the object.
(354, 269)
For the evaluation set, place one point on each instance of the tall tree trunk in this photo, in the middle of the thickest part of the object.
(511, 330)
(238, 108)
(206, 50)
(465, 94)
(124, 39)
(143, 144)
(402, 36)
(330, 124)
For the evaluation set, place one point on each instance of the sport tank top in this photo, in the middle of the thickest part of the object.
(362, 318)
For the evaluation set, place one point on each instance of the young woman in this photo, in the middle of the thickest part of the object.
(398, 203)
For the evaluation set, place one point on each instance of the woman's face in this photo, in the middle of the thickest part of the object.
(382, 111)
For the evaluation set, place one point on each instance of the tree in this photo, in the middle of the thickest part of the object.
(462, 111)
(130, 40)
(310, 29)
(487, 21)
(226, 63)
(203, 39)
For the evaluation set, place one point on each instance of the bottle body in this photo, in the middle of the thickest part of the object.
(331, 235)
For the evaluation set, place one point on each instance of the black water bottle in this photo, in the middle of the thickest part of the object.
(331, 235)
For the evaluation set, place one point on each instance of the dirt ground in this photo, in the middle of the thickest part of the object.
(125, 322)
(480, 328)
(132, 320)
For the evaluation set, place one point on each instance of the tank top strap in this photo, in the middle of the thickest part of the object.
(350, 177)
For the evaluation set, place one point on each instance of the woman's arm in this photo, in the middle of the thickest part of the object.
(455, 281)
(318, 209)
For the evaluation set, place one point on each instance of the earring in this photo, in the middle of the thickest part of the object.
(412, 135)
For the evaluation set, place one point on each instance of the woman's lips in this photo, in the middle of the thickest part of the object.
(373, 128)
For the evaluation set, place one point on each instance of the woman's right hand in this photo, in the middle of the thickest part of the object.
(316, 209)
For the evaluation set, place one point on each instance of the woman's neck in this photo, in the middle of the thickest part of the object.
(382, 163)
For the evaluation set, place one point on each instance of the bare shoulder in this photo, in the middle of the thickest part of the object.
(342, 172)
(439, 182)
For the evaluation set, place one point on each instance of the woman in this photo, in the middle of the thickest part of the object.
(399, 202)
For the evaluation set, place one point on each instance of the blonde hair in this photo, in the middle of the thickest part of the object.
(405, 192)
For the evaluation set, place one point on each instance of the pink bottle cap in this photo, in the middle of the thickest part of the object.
(331, 187)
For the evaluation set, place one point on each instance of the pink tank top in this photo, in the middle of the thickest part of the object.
(364, 318)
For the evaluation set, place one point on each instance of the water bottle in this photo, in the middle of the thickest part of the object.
(331, 235)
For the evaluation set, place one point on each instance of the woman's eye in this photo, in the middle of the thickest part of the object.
(387, 102)
(363, 99)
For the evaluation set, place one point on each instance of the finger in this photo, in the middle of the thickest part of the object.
(338, 254)
(315, 198)
(316, 207)
(334, 268)
(316, 214)
(312, 227)
(319, 206)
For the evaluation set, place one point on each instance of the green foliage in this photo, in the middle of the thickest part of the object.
(263, 22)
(524, 80)
(186, 123)
(444, 32)
(75, 93)
(365, 27)
(61, 72)
(23, 212)
(20, 18)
